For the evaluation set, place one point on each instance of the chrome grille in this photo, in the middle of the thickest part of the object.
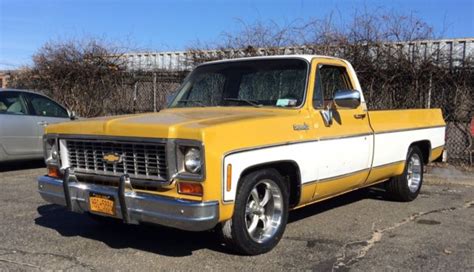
(138, 160)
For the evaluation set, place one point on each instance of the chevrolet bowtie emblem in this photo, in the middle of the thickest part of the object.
(112, 158)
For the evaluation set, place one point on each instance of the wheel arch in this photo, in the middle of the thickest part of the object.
(425, 148)
(289, 170)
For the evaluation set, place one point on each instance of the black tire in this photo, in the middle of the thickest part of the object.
(398, 188)
(234, 231)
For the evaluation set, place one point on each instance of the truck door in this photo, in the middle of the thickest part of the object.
(344, 144)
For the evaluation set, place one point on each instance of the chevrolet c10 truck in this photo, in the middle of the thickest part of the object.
(242, 143)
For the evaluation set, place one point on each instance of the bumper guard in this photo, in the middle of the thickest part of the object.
(132, 207)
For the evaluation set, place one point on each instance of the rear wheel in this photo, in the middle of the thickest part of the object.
(260, 213)
(406, 187)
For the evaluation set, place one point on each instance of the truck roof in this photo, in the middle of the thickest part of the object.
(304, 57)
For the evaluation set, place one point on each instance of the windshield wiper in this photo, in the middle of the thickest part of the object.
(250, 102)
(192, 101)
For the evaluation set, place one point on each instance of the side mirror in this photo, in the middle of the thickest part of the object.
(347, 98)
(72, 115)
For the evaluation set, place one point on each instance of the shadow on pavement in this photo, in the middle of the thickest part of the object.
(21, 165)
(163, 240)
(345, 199)
(151, 238)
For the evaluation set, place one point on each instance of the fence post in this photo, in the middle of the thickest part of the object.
(154, 92)
(428, 105)
(135, 96)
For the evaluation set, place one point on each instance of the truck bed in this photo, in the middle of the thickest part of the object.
(396, 130)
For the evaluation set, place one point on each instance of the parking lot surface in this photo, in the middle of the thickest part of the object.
(360, 231)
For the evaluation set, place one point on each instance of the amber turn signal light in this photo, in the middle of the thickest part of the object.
(229, 178)
(54, 172)
(188, 188)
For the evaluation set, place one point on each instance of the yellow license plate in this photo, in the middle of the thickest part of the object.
(102, 203)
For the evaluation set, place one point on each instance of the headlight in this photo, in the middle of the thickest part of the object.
(192, 160)
(51, 151)
(190, 163)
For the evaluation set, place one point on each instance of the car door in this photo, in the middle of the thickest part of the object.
(17, 127)
(345, 146)
(45, 111)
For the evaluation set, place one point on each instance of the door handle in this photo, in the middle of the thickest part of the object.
(43, 123)
(360, 116)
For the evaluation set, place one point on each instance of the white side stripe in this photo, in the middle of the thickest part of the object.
(319, 160)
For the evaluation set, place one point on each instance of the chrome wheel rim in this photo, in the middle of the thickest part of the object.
(414, 173)
(263, 211)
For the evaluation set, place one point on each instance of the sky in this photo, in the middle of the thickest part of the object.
(25, 25)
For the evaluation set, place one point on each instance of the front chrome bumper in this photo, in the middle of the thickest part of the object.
(131, 206)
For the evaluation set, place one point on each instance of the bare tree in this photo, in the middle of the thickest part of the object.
(83, 75)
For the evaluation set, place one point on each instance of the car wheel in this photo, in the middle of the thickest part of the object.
(406, 187)
(260, 213)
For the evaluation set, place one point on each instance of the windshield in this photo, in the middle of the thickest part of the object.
(256, 83)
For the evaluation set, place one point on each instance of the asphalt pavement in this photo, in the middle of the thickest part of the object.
(360, 231)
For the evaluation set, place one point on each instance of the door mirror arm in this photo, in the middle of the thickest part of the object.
(327, 115)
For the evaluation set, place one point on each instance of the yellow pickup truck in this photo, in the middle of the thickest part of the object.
(243, 142)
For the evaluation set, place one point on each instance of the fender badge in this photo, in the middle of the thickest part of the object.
(303, 126)
(112, 158)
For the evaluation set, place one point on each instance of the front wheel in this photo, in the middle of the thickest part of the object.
(406, 187)
(260, 213)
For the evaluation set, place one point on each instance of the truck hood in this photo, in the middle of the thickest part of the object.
(171, 123)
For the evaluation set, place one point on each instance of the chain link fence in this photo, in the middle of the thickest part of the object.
(458, 142)
(142, 91)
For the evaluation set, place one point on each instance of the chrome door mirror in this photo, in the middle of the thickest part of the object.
(347, 98)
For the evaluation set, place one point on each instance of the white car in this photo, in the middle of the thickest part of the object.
(23, 117)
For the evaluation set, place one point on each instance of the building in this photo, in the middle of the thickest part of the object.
(457, 50)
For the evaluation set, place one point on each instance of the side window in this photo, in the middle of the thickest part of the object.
(12, 103)
(329, 79)
(43, 106)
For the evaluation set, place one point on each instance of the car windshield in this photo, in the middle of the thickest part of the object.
(255, 83)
